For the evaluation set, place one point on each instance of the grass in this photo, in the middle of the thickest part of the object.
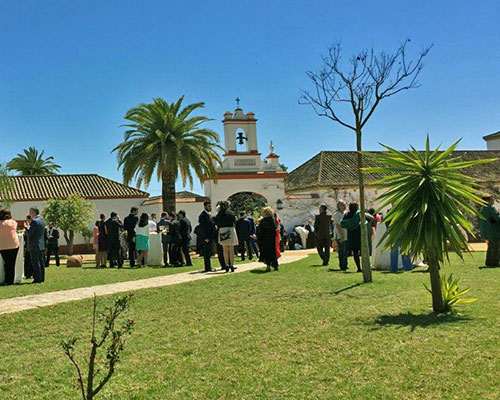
(61, 278)
(305, 332)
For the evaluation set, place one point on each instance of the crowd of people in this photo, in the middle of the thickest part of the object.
(225, 234)
(342, 230)
(116, 241)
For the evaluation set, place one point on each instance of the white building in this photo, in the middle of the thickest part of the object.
(243, 169)
(493, 141)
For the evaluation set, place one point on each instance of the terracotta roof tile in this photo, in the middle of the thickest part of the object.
(339, 168)
(90, 186)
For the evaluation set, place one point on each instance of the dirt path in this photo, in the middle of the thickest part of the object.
(17, 304)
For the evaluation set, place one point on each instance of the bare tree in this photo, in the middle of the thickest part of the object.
(358, 86)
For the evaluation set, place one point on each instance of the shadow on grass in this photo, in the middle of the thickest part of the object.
(259, 271)
(418, 320)
(486, 267)
(339, 270)
(354, 285)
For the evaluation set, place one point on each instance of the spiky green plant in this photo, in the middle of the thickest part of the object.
(452, 293)
(32, 162)
(162, 138)
(429, 194)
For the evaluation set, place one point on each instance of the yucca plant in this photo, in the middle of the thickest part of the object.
(452, 294)
(429, 194)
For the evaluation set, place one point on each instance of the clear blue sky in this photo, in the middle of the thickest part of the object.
(70, 70)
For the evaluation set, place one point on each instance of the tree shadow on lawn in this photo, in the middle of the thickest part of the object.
(418, 320)
(486, 267)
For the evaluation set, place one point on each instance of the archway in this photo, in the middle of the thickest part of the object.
(251, 202)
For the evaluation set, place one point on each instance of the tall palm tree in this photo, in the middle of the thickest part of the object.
(430, 196)
(162, 137)
(32, 162)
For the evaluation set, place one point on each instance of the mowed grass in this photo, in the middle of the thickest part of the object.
(305, 332)
(61, 278)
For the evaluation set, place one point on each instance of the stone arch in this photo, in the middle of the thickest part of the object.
(251, 202)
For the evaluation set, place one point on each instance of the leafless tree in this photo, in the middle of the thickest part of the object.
(113, 335)
(358, 86)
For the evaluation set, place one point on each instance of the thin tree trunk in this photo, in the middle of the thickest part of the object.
(168, 191)
(437, 294)
(365, 252)
(70, 244)
(68, 236)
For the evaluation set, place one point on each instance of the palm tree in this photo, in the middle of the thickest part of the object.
(162, 137)
(33, 163)
(430, 196)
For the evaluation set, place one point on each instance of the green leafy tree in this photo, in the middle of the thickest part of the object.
(5, 186)
(252, 203)
(33, 162)
(429, 194)
(71, 215)
(163, 138)
(348, 93)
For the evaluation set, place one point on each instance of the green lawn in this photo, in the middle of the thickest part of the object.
(59, 278)
(305, 332)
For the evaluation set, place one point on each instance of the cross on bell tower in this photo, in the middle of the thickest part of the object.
(237, 102)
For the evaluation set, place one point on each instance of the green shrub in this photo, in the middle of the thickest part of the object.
(452, 295)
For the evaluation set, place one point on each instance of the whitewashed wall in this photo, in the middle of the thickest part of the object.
(272, 189)
(121, 206)
(299, 211)
(193, 210)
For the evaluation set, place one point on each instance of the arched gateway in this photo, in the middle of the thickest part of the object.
(243, 169)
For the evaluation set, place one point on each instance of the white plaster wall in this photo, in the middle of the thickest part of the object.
(272, 189)
(121, 206)
(493, 144)
(299, 211)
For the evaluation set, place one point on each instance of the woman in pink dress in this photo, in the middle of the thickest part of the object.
(278, 236)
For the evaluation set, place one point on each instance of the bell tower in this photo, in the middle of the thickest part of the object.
(243, 168)
(241, 129)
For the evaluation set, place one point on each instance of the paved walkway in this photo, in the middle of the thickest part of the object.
(17, 304)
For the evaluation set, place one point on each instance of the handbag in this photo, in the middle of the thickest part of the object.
(225, 236)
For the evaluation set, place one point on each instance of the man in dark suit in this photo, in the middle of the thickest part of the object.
(243, 229)
(253, 235)
(175, 241)
(35, 233)
(129, 224)
(322, 233)
(185, 231)
(113, 230)
(207, 233)
(163, 226)
(52, 244)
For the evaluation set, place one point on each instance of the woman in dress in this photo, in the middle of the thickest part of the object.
(142, 242)
(278, 235)
(225, 221)
(9, 245)
(266, 239)
(95, 243)
(102, 243)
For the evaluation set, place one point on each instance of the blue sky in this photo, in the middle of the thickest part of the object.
(70, 70)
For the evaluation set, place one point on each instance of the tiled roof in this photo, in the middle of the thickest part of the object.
(180, 197)
(339, 168)
(90, 186)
